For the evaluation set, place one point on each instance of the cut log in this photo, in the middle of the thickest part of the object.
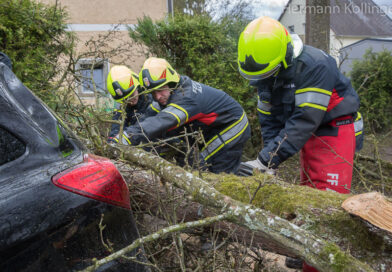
(375, 209)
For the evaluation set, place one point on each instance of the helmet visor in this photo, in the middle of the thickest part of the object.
(121, 93)
(261, 76)
(151, 84)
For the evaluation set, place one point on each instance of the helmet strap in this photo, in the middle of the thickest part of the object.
(173, 85)
(289, 55)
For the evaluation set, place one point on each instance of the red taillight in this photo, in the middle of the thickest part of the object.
(97, 178)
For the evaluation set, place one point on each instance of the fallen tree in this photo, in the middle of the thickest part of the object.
(320, 231)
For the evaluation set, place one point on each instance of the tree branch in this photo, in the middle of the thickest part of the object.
(157, 235)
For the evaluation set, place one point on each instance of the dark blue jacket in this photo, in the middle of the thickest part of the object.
(299, 102)
(145, 107)
(207, 108)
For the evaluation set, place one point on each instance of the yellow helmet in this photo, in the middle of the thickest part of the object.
(264, 46)
(156, 73)
(122, 82)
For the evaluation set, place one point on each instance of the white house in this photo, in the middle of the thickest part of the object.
(350, 21)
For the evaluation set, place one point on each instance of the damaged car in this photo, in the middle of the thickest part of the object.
(60, 207)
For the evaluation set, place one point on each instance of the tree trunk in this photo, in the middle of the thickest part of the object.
(149, 202)
(317, 25)
(326, 232)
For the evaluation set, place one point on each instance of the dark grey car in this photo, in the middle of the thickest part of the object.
(53, 194)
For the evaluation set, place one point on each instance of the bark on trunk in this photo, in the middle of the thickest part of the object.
(149, 202)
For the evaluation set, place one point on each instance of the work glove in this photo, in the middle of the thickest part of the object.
(246, 168)
(124, 138)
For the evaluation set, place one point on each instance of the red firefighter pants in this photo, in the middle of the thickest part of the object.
(327, 161)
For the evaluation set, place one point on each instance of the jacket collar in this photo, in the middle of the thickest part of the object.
(289, 73)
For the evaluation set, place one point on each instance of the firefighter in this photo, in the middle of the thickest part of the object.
(305, 103)
(185, 102)
(123, 85)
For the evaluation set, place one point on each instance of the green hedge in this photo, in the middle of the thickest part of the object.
(33, 35)
(372, 78)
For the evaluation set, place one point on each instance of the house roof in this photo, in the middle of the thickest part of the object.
(284, 10)
(357, 18)
(385, 40)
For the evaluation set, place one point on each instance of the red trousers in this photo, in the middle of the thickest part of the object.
(327, 161)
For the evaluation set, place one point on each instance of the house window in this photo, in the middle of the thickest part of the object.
(92, 75)
(291, 28)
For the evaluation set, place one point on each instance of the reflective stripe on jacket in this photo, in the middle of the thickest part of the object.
(293, 105)
(228, 135)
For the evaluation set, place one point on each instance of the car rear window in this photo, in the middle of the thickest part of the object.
(31, 106)
(42, 118)
(11, 147)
